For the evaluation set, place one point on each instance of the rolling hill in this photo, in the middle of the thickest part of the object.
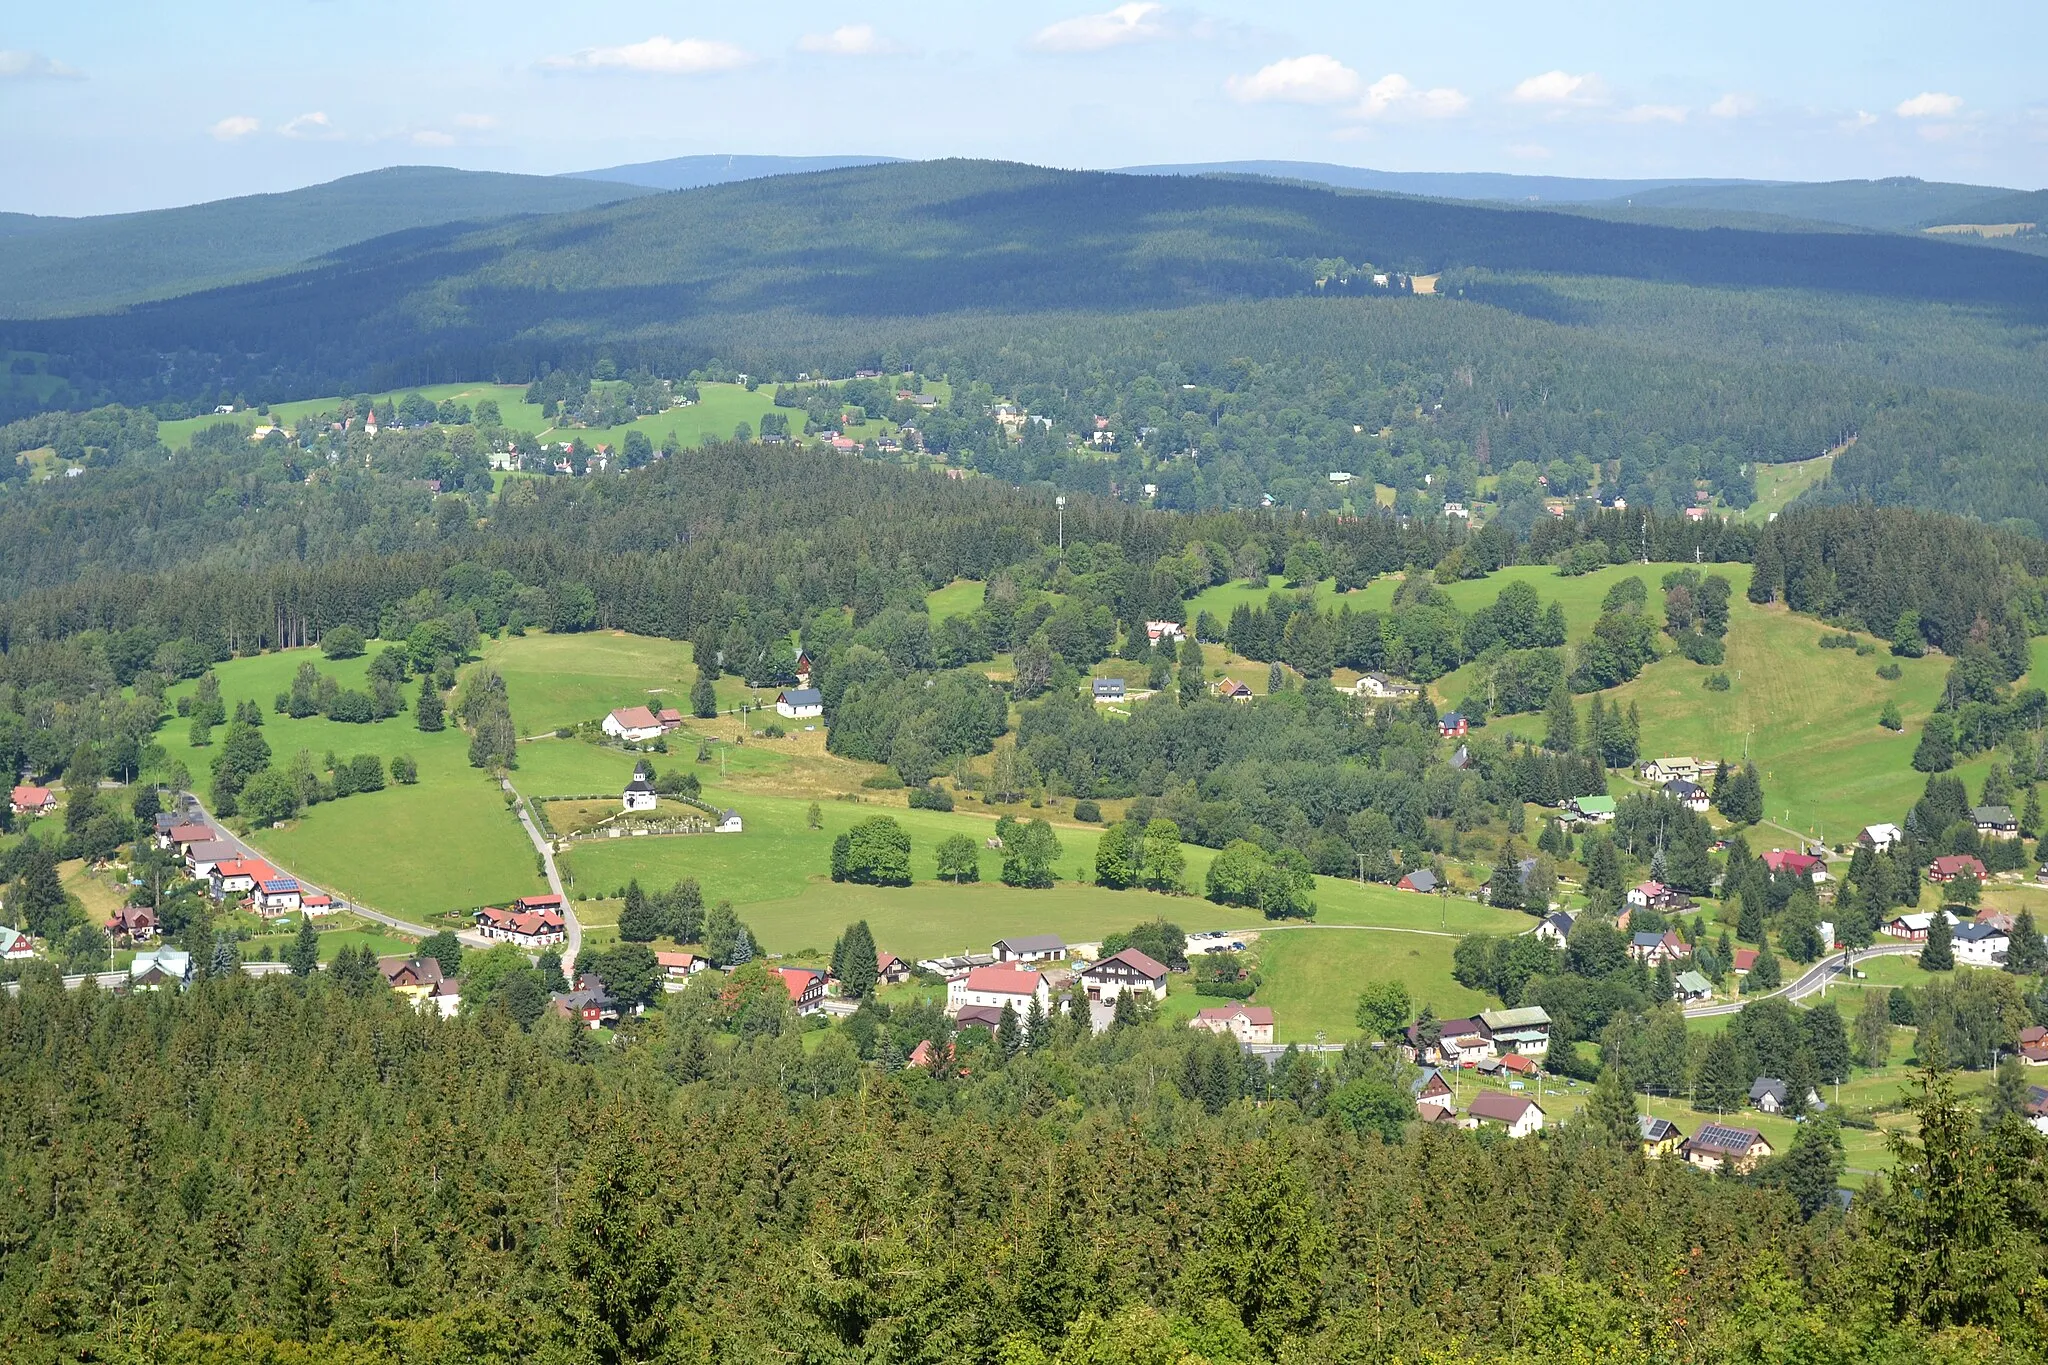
(1477, 185)
(1898, 203)
(73, 265)
(694, 172)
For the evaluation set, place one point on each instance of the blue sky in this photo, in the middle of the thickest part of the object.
(123, 104)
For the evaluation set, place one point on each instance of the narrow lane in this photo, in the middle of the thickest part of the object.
(572, 930)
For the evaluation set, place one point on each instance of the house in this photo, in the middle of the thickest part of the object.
(1246, 1023)
(800, 703)
(633, 724)
(998, 986)
(1797, 864)
(314, 903)
(640, 793)
(1421, 879)
(590, 1008)
(1379, 687)
(1982, 945)
(1661, 1137)
(890, 969)
(414, 977)
(806, 987)
(202, 857)
(670, 718)
(1880, 838)
(15, 946)
(1459, 1041)
(158, 968)
(1913, 927)
(1515, 1064)
(1230, 689)
(1155, 631)
(1692, 986)
(1520, 1116)
(1661, 770)
(233, 876)
(921, 1055)
(1767, 1093)
(445, 998)
(34, 800)
(1745, 958)
(1945, 869)
(1524, 1032)
(1340, 477)
(1431, 1091)
(1556, 927)
(1649, 895)
(950, 967)
(729, 822)
(677, 968)
(1451, 725)
(2034, 1050)
(136, 923)
(1031, 948)
(1996, 822)
(1691, 795)
(1656, 948)
(1594, 810)
(530, 921)
(1129, 970)
(183, 836)
(1109, 689)
(2035, 1107)
(1460, 760)
(1717, 1145)
(274, 895)
(980, 1016)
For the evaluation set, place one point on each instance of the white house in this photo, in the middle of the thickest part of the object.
(15, 945)
(1691, 795)
(1982, 945)
(1880, 838)
(1129, 970)
(633, 724)
(1246, 1023)
(1155, 631)
(998, 986)
(530, 922)
(274, 895)
(800, 703)
(1519, 1116)
(1520, 1032)
(640, 793)
(1031, 948)
(728, 823)
(1658, 771)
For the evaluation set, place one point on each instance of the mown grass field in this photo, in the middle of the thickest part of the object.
(446, 843)
(1311, 977)
(958, 598)
(563, 680)
(1778, 484)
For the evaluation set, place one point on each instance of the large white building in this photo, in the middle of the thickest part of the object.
(633, 724)
(996, 987)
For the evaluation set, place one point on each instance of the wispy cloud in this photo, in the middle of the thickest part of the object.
(1321, 79)
(1559, 88)
(1734, 104)
(1858, 121)
(848, 40)
(1395, 96)
(235, 127)
(1654, 113)
(1930, 104)
(16, 65)
(660, 56)
(315, 126)
(476, 122)
(1134, 23)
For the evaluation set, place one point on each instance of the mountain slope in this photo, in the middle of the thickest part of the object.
(1483, 185)
(1895, 204)
(693, 172)
(72, 265)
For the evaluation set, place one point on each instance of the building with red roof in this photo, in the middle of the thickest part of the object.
(1798, 864)
(633, 724)
(34, 800)
(1002, 984)
(529, 928)
(1946, 869)
(806, 987)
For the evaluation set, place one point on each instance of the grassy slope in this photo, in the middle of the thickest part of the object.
(1311, 977)
(447, 843)
(1778, 484)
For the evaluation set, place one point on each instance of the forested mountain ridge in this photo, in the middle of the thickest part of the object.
(73, 265)
(690, 172)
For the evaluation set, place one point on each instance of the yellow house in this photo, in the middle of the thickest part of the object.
(1661, 1137)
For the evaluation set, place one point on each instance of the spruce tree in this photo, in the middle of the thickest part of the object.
(1037, 1029)
(303, 957)
(1874, 1029)
(2027, 956)
(1126, 1013)
(640, 921)
(859, 971)
(1749, 919)
(1009, 1036)
(430, 715)
(1812, 1170)
(1505, 893)
(1611, 1113)
(1560, 721)
(1763, 974)
(703, 696)
(1938, 954)
(1718, 1087)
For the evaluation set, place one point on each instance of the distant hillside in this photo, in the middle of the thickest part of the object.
(691, 172)
(1899, 203)
(2028, 206)
(73, 265)
(1486, 185)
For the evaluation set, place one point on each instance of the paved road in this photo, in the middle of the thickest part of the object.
(572, 931)
(470, 939)
(1811, 980)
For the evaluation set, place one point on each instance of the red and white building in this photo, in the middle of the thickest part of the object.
(1798, 864)
(633, 724)
(34, 800)
(806, 987)
(238, 876)
(275, 895)
(1944, 870)
(997, 986)
(1246, 1023)
(530, 921)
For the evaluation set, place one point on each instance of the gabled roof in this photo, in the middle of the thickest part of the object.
(1500, 1106)
(1594, 805)
(798, 979)
(635, 718)
(1106, 685)
(1004, 979)
(1994, 815)
(1683, 790)
(1767, 1085)
(1692, 983)
(1032, 943)
(1655, 1129)
(191, 833)
(254, 868)
(1726, 1140)
(1561, 920)
(1529, 1016)
(1136, 961)
(1421, 879)
(32, 796)
(1258, 1016)
(802, 696)
(1979, 933)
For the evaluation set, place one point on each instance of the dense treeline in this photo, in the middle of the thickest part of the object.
(308, 1170)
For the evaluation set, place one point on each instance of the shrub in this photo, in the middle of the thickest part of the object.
(1889, 717)
(1838, 640)
(1087, 812)
(343, 642)
(773, 731)
(930, 797)
(1889, 671)
(884, 781)
(1716, 682)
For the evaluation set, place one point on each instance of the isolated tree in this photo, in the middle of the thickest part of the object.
(430, 714)
(342, 642)
(1162, 861)
(303, 957)
(703, 696)
(2028, 956)
(1383, 1008)
(1874, 1029)
(858, 970)
(1116, 862)
(640, 920)
(1029, 857)
(877, 853)
(1938, 954)
(959, 859)
(814, 817)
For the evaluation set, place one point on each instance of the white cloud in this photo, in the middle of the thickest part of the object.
(1654, 113)
(1734, 104)
(1134, 23)
(1395, 96)
(16, 65)
(658, 55)
(235, 127)
(315, 125)
(1930, 104)
(848, 40)
(1858, 121)
(476, 122)
(1315, 79)
(1559, 87)
(429, 137)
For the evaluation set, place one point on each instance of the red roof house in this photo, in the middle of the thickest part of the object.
(1798, 864)
(1945, 869)
(34, 800)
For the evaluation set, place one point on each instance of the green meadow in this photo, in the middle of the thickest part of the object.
(446, 843)
(1311, 977)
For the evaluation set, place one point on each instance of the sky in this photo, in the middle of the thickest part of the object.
(127, 104)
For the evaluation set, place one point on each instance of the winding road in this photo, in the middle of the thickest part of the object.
(1809, 981)
(572, 931)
